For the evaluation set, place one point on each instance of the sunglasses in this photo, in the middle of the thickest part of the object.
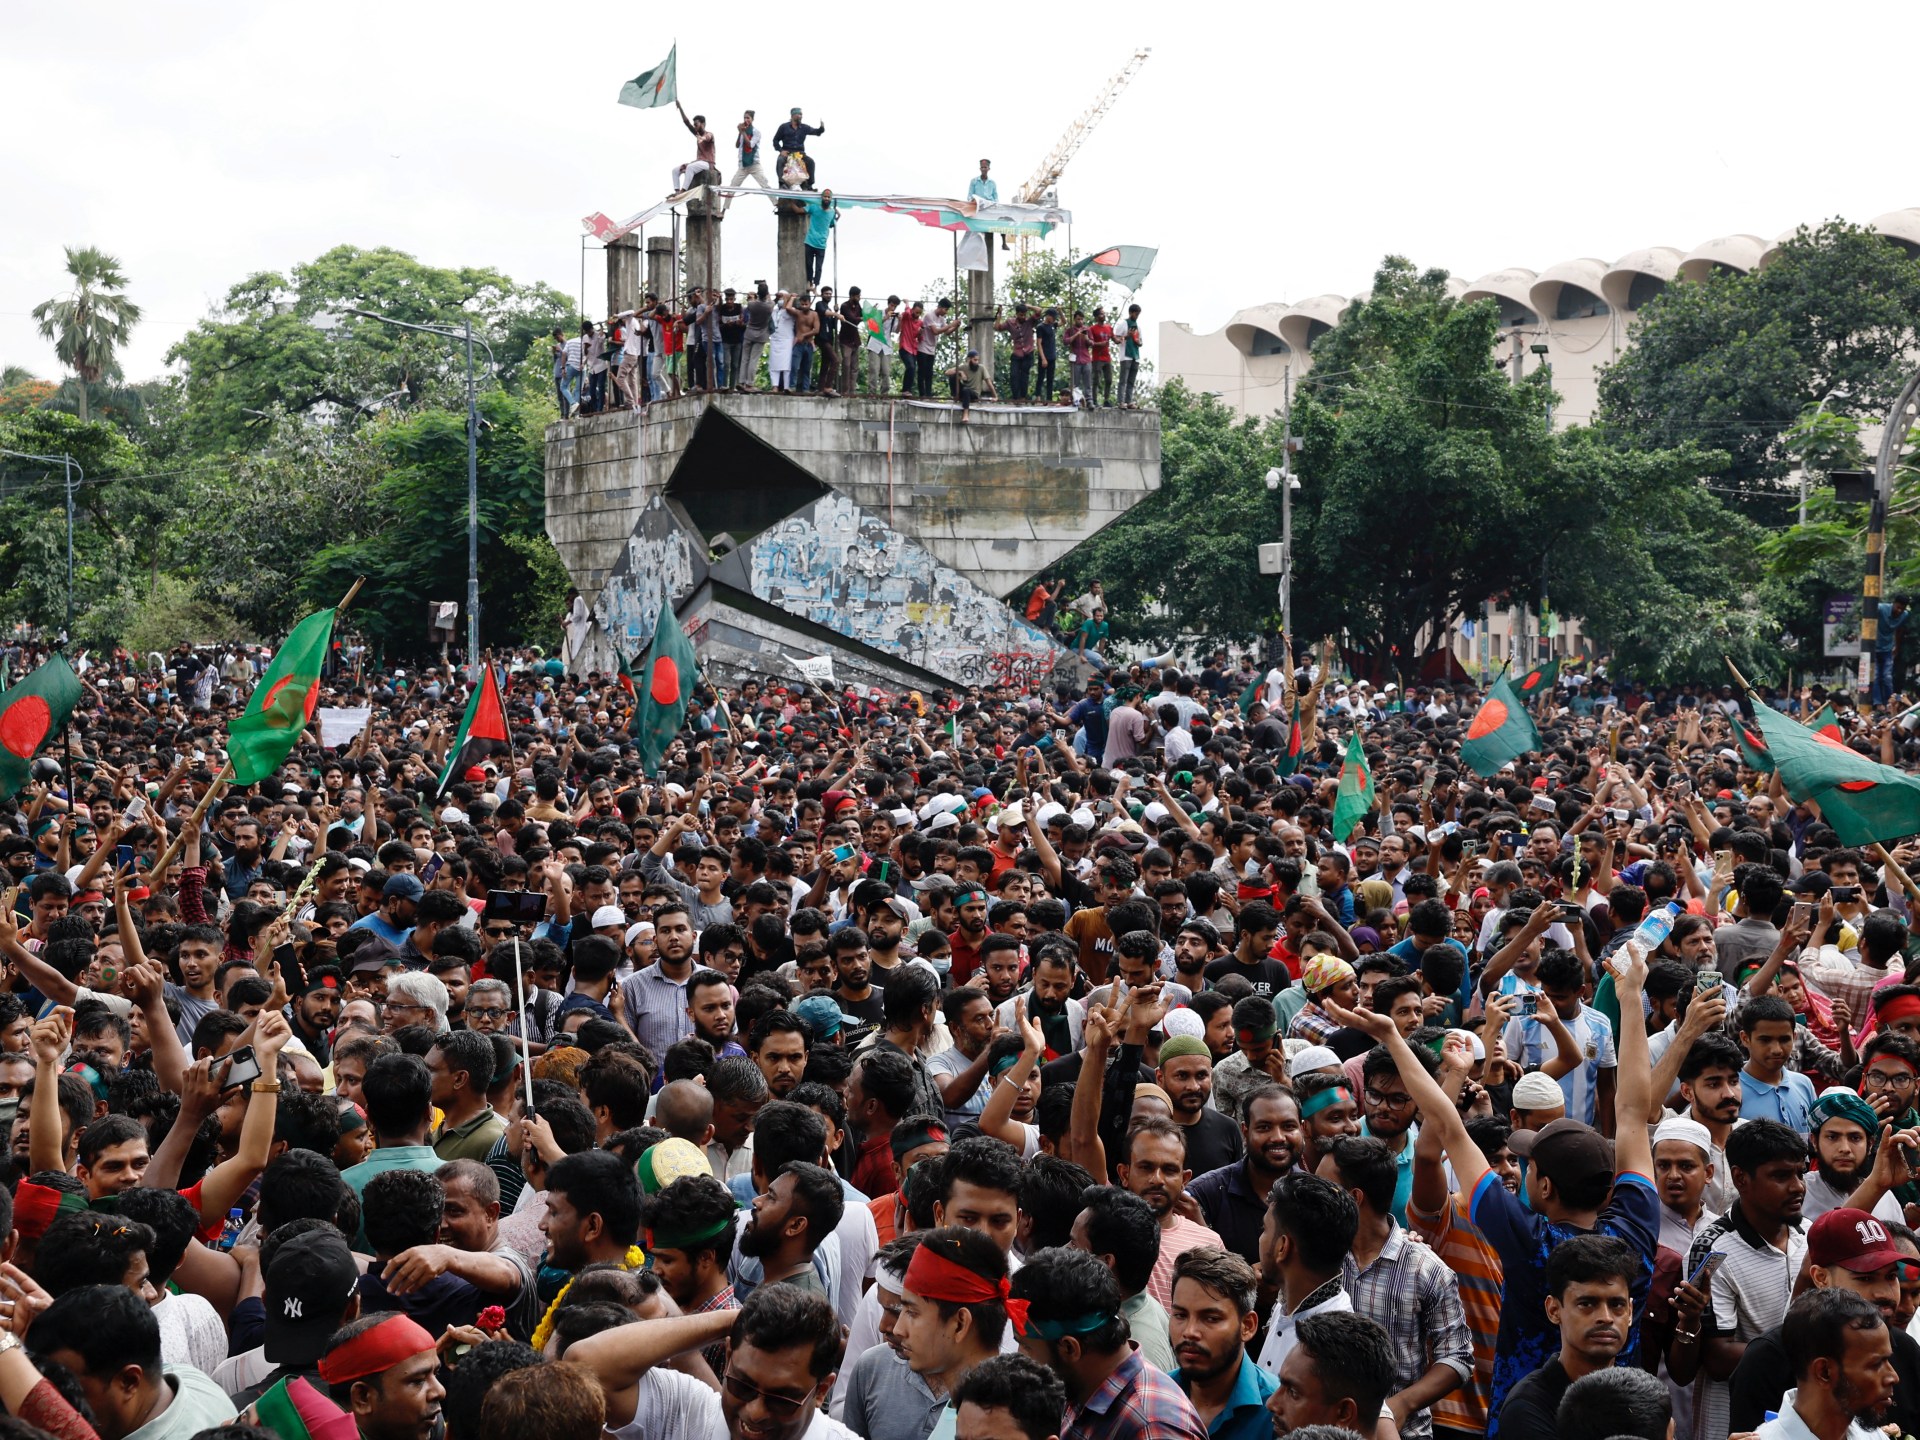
(779, 1407)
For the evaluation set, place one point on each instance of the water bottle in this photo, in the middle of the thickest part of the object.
(1653, 930)
(230, 1230)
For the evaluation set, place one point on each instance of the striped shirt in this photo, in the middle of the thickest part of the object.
(1176, 1239)
(1750, 1294)
(1530, 1044)
(1476, 1269)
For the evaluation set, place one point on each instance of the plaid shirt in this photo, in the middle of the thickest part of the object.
(1414, 1297)
(1135, 1402)
(1312, 1025)
(716, 1353)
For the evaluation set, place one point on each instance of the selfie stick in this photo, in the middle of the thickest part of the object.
(526, 1047)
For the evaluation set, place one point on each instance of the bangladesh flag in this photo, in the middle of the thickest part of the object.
(1252, 693)
(1501, 731)
(1296, 740)
(282, 703)
(1356, 791)
(483, 730)
(625, 676)
(1754, 747)
(31, 714)
(668, 670)
(1861, 799)
(653, 87)
(1538, 681)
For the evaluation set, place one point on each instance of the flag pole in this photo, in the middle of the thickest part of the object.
(526, 1047)
(199, 813)
(347, 600)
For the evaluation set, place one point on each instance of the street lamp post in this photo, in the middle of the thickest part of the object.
(68, 467)
(465, 334)
(1893, 438)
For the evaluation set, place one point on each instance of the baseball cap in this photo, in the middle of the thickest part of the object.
(1565, 1151)
(1851, 1239)
(935, 881)
(821, 1015)
(307, 1286)
(402, 887)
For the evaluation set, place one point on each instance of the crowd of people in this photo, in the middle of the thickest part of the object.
(1002, 1065)
(717, 342)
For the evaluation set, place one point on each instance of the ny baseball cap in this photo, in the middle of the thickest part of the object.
(1565, 1151)
(308, 1285)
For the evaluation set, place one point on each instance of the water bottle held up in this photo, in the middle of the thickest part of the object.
(1653, 931)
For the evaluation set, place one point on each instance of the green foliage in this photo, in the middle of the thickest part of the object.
(170, 612)
(1733, 362)
(90, 323)
(265, 353)
(417, 550)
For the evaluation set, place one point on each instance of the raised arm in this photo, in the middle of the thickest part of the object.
(996, 1120)
(1469, 1165)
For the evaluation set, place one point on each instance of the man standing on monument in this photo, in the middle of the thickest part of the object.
(791, 140)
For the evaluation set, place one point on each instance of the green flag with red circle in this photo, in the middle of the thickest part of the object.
(1355, 799)
(1501, 730)
(259, 741)
(665, 678)
(32, 713)
(1860, 798)
(1538, 681)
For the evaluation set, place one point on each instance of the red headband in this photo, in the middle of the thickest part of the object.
(372, 1352)
(1901, 1007)
(932, 1276)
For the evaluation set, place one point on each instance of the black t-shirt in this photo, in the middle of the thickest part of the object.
(1761, 1380)
(1212, 1141)
(1269, 977)
(1532, 1407)
(733, 322)
(1044, 332)
(868, 1010)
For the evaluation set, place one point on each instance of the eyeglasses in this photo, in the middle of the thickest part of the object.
(407, 1007)
(1879, 1080)
(1388, 1102)
(779, 1407)
(486, 1012)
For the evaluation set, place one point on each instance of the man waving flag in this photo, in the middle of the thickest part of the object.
(31, 714)
(282, 703)
(1356, 791)
(1500, 731)
(483, 730)
(666, 686)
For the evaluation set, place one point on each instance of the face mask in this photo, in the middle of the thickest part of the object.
(1251, 869)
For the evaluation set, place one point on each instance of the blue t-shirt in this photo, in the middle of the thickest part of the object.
(1524, 1239)
(1790, 1102)
(1409, 955)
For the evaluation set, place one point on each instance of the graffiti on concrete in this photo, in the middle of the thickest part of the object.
(658, 562)
(836, 565)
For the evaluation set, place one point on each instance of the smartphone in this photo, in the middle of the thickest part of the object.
(1844, 894)
(1704, 1273)
(1681, 786)
(1469, 847)
(1802, 914)
(523, 907)
(1511, 840)
(1617, 816)
(1572, 910)
(432, 868)
(135, 813)
(1529, 1005)
(1707, 982)
(243, 1068)
(123, 856)
(843, 853)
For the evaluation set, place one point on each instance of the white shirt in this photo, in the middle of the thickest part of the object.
(1788, 1425)
(1281, 1331)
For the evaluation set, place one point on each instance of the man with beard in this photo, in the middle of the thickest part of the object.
(710, 1008)
(1390, 1113)
(1327, 1111)
(853, 982)
(1842, 1357)
(1710, 1084)
(314, 1014)
(970, 904)
(885, 921)
(961, 1070)
(1050, 1003)
(1847, 1250)
(799, 1209)
(1763, 1246)
(593, 1211)
(1195, 943)
(242, 866)
(1211, 1320)
(1590, 1298)
(1186, 1074)
(1233, 1198)
(779, 1042)
(654, 1000)
(1155, 1169)
(999, 973)
(1682, 1153)
(1845, 1132)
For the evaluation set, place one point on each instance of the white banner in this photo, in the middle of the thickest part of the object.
(342, 726)
(818, 669)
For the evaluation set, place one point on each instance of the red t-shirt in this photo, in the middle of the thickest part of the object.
(1101, 338)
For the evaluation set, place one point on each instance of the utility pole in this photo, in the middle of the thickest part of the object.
(1286, 509)
(1892, 437)
(473, 512)
(69, 467)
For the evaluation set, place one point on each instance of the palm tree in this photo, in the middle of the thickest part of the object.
(93, 318)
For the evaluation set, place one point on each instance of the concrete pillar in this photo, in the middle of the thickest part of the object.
(701, 246)
(792, 257)
(623, 274)
(980, 308)
(660, 266)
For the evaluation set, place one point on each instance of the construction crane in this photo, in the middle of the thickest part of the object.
(1040, 185)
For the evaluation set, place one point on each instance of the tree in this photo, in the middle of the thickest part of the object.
(284, 344)
(89, 324)
(1732, 362)
(415, 549)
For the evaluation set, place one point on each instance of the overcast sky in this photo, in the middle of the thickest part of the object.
(1270, 152)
